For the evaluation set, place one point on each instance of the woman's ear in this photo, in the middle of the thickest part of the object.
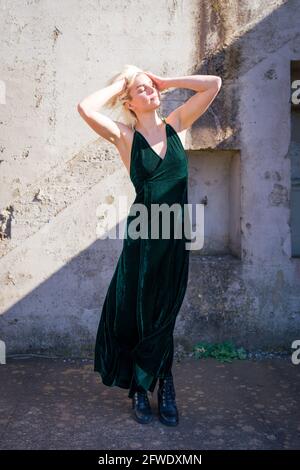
(127, 105)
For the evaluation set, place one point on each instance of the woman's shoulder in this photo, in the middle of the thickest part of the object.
(174, 124)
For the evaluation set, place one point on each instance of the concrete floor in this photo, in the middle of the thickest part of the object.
(62, 404)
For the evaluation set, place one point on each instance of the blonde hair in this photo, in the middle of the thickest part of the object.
(116, 103)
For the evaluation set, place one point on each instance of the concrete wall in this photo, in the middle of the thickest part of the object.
(56, 172)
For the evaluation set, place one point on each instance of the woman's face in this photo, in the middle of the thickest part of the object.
(144, 94)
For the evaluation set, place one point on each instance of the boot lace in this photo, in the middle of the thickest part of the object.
(167, 389)
(141, 399)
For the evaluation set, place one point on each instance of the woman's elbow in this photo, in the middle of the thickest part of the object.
(81, 109)
(218, 82)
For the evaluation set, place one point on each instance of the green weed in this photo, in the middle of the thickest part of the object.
(223, 352)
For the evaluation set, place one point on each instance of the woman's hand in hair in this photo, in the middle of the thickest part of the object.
(125, 83)
(159, 82)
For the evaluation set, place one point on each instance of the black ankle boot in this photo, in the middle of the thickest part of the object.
(141, 406)
(167, 409)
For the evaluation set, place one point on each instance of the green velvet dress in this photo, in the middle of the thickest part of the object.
(134, 343)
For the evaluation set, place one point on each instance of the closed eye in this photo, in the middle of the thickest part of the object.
(143, 89)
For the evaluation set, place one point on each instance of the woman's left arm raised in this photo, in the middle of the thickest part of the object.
(206, 87)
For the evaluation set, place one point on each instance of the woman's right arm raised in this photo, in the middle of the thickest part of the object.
(88, 108)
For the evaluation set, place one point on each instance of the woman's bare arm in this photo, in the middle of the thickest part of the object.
(207, 88)
(89, 107)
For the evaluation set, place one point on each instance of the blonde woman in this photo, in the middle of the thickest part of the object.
(134, 344)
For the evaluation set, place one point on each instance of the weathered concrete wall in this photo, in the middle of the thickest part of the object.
(55, 172)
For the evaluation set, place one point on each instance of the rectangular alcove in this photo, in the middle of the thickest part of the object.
(215, 181)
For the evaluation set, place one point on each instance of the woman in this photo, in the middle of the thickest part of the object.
(134, 344)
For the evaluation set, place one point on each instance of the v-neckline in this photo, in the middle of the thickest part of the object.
(167, 140)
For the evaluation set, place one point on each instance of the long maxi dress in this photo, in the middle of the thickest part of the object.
(134, 343)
